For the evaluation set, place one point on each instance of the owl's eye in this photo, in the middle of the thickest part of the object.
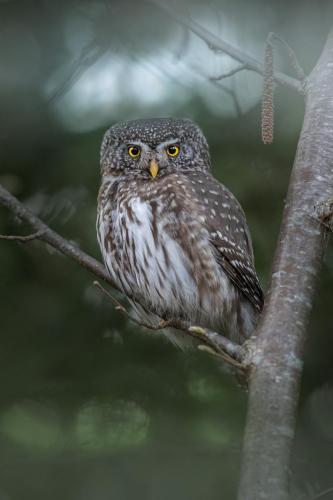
(173, 150)
(134, 151)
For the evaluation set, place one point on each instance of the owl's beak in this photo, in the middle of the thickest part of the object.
(153, 168)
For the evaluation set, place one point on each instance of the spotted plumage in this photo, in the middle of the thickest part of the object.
(172, 237)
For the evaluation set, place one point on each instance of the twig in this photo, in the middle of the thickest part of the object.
(291, 54)
(179, 53)
(322, 494)
(233, 71)
(88, 56)
(229, 351)
(230, 92)
(52, 238)
(116, 303)
(217, 43)
(120, 307)
(23, 239)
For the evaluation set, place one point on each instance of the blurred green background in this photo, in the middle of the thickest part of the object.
(91, 407)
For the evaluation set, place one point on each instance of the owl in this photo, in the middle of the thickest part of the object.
(173, 238)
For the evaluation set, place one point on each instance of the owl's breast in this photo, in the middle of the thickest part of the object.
(152, 261)
(157, 250)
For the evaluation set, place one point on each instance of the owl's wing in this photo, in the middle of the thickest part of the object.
(239, 269)
(229, 235)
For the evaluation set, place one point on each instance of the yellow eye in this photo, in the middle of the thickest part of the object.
(134, 151)
(173, 150)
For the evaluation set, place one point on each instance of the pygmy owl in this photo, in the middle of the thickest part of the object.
(173, 238)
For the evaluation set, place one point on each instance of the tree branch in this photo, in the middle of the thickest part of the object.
(291, 54)
(216, 343)
(229, 91)
(212, 40)
(322, 494)
(277, 357)
(231, 353)
(233, 71)
(52, 238)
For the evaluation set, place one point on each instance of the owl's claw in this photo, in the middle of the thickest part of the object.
(197, 329)
(163, 324)
(209, 350)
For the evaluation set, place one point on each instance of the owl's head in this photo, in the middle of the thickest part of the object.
(153, 148)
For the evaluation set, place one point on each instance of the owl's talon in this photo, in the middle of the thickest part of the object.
(209, 350)
(163, 324)
(197, 329)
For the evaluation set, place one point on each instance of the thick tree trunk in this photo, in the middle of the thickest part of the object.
(277, 355)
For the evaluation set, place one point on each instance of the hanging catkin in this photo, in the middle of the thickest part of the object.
(267, 109)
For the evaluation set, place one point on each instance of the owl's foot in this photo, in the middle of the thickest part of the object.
(197, 329)
(163, 324)
(218, 345)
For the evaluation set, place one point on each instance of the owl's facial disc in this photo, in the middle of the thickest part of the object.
(152, 159)
(176, 145)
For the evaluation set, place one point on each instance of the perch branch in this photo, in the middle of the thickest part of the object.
(214, 342)
(217, 43)
(52, 238)
(228, 350)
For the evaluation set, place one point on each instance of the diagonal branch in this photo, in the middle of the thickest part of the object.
(52, 238)
(217, 43)
(220, 345)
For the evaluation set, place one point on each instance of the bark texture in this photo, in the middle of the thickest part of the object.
(277, 353)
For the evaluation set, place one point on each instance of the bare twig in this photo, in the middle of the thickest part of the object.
(291, 54)
(233, 71)
(52, 238)
(23, 239)
(230, 92)
(322, 494)
(228, 350)
(179, 53)
(217, 43)
(120, 307)
(88, 56)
